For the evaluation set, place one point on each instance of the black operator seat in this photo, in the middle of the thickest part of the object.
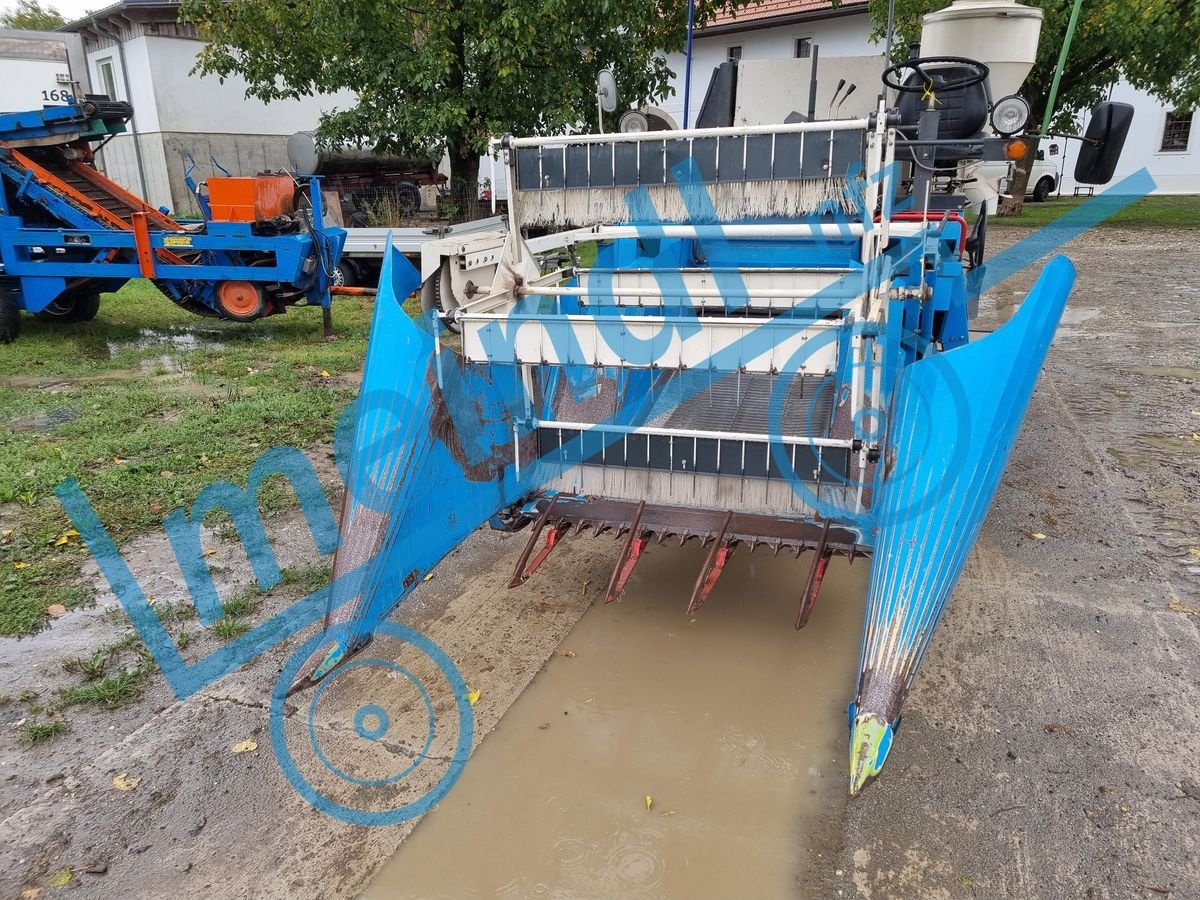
(964, 111)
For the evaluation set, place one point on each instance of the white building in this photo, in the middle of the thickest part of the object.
(775, 41)
(139, 51)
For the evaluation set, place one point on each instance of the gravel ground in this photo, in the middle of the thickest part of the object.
(1047, 749)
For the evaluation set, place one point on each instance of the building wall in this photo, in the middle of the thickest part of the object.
(846, 36)
(1173, 172)
(176, 113)
(845, 48)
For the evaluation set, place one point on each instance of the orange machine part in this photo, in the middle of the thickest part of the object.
(251, 199)
(239, 299)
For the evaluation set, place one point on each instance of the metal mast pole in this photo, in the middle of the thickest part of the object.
(687, 64)
(1058, 71)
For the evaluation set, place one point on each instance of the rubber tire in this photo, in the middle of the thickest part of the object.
(1043, 189)
(10, 317)
(77, 308)
(408, 198)
(349, 275)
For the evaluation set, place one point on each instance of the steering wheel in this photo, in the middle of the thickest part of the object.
(977, 75)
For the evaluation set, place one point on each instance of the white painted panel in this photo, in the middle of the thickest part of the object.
(191, 103)
(755, 345)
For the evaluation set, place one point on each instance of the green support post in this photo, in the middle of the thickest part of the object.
(1058, 71)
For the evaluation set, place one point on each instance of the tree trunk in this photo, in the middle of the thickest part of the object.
(464, 168)
(1020, 180)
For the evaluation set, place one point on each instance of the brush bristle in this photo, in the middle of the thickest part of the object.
(728, 202)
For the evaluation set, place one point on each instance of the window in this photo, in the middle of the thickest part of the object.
(1177, 132)
(104, 71)
(803, 47)
(734, 54)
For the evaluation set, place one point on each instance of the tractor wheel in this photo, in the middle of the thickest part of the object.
(241, 301)
(408, 198)
(72, 308)
(10, 317)
(1043, 189)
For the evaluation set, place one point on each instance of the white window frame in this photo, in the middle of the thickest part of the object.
(729, 57)
(111, 82)
(797, 39)
(1164, 151)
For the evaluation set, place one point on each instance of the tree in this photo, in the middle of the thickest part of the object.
(445, 74)
(1153, 44)
(31, 15)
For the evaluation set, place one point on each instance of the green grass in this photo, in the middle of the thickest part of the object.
(111, 693)
(229, 627)
(305, 581)
(143, 434)
(90, 668)
(1149, 212)
(40, 732)
(242, 604)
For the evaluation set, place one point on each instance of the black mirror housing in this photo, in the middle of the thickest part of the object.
(1103, 143)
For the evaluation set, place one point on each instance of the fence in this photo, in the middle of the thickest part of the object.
(406, 205)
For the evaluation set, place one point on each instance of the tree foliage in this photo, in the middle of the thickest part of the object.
(1152, 44)
(31, 15)
(445, 74)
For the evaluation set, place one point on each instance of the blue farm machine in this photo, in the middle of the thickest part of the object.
(68, 233)
(769, 349)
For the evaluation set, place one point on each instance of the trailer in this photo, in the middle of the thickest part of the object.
(69, 234)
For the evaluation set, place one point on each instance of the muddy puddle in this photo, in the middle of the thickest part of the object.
(733, 724)
(179, 341)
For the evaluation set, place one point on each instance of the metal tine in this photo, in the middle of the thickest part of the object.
(619, 576)
(553, 538)
(816, 575)
(714, 564)
(519, 573)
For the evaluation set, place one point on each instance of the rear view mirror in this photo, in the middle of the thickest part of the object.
(1103, 143)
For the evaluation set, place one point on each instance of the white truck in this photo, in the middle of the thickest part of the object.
(1043, 180)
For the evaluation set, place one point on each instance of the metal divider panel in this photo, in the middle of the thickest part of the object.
(592, 443)
(807, 461)
(548, 443)
(847, 151)
(614, 453)
(667, 453)
(660, 451)
(816, 158)
(637, 451)
(529, 176)
(731, 458)
(602, 165)
(758, 157)
(789, 150)
(625, 165)
(755, 465)
(731, 158)
(704, 155)
(684, 456)
(553, 162)
(650, 166)
(677, 152)
(577, 166)
(730, 166)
